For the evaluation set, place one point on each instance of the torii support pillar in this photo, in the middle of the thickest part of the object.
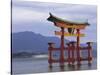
(89, 53)
(69, 51)
(50, 54)
(72, 52)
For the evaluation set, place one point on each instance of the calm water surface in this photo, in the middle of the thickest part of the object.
(31, 65)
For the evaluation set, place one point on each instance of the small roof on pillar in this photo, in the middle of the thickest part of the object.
(54, 19)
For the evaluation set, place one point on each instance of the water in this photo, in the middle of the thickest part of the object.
(31, 66)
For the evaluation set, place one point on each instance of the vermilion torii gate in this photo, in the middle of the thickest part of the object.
(73, 48)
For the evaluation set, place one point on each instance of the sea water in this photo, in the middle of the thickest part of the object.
(36, 65)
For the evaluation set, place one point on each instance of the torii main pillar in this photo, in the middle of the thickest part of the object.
(62, 48)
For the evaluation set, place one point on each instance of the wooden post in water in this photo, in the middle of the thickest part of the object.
(50, 54)
(62, 48)
(73, 51)
(89, 53)
(69, 51)
(78, 45)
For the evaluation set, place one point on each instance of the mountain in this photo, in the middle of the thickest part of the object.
(32, 42)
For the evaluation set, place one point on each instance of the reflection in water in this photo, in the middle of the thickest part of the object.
(78, 67)
(69, 67)
(62, 68)
(89, 65)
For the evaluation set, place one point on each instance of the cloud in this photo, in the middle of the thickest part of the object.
(69, 11)
(25, 15)
(59, 7)
(32, 16)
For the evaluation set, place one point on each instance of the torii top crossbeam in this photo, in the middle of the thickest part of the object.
(67, 24)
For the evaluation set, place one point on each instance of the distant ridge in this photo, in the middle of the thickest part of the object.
(31, 42)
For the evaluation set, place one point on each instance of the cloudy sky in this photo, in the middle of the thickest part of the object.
(31, 16)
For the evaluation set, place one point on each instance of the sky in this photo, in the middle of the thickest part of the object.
(32, 16)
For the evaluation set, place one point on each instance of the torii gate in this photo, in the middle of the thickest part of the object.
(71, 47)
